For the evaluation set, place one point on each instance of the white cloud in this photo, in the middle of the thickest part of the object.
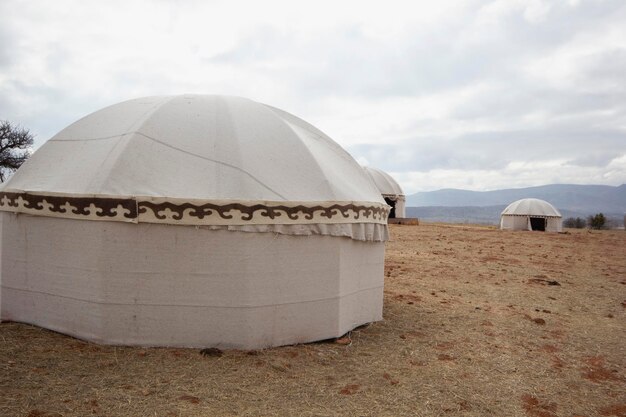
(431, 91)
(567, 66)
(517, 174)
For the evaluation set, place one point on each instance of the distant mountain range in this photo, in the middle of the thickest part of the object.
(452, 205)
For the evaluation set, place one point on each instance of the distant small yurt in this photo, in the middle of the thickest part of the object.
(390, 190)
(531, 214)
(193, 221)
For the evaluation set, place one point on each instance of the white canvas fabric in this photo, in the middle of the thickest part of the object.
(531, 206)
(517, 215)
(388, 188)
(194, 221)
(195, 147)
(164, 285)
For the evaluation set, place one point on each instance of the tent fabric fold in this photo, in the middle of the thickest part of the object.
(356, 231)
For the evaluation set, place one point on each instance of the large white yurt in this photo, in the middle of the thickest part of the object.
(390, 190)
(531, 214)
(194, 221)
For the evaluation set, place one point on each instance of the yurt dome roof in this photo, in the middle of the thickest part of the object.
(531, 207)
(195, 146)
(186, 157)
(384, 182)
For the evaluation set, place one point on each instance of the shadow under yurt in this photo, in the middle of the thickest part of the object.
(192, 221)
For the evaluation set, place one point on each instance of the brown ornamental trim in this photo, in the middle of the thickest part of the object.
(547, 216)
(271, 212)
(67, 206)
(193, 212)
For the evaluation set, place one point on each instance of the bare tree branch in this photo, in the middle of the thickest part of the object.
(15, 143)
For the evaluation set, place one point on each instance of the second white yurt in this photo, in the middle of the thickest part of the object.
(390, 190)
(193, 221)
(531, 214)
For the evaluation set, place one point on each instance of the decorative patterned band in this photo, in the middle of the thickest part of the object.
(547, 216)
(191, 212)
(76, 207)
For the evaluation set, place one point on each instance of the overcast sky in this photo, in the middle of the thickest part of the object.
(469, 94)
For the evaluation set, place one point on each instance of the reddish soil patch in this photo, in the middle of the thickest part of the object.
(557, 363)
(391, 380)
(190, 398)
(596, 371)
(343, 341)
(407, 298)
(536, 408)
(549, 348)
(39, 413)
(412, 334)
(350, 389)
(617, 410)
(492, 259)
(445, 345)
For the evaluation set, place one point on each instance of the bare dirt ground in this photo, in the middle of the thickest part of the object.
(478, 322)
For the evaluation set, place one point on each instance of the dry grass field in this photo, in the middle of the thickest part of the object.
(478, 322)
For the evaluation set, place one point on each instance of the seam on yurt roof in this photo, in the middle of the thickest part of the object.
(175, 148)
(383, 177)
(369, 174)
(192, 305)
(312, 130)
(151, 111)
(134, 126)
(92, 139)
(304, 145)
(212, 160)
(389, 180)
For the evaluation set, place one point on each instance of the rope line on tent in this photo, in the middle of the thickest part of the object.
(315, 300)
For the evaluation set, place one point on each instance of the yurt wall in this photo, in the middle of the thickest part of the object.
(173, 221)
